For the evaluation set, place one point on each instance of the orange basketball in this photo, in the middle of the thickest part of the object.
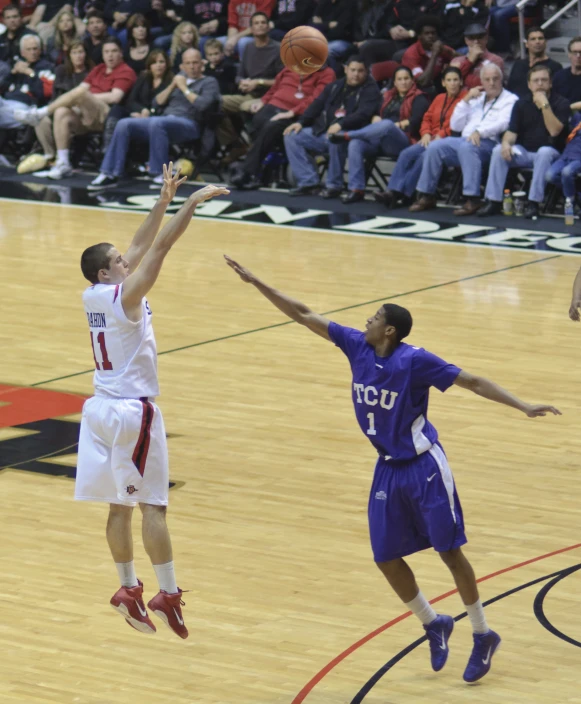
(304, 50)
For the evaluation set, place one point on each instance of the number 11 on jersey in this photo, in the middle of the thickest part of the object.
(105, 364)
(371, 430)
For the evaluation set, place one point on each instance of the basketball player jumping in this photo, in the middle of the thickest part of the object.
(122, 446)
(413, 502)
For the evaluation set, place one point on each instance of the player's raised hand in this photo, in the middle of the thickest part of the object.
(171, 182)
(534, 410)
(574, 310)
(209, 192)
(246, 275)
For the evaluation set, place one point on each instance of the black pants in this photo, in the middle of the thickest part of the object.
(266, 136)
(375, 50)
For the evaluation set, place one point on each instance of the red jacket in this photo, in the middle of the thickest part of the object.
(416, 59)
(240, 11)
(436, 121)
(406, 107)
(286, 85)
(471, 72)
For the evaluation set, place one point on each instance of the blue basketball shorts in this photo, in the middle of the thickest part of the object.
(413, 505)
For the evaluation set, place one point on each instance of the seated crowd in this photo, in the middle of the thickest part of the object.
(153, 75)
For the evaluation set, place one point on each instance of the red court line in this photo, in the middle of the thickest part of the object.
(305, 691)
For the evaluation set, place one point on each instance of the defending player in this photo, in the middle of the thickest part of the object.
(413, 502)
(122, 445)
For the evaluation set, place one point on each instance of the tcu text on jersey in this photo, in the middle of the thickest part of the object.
(371, 396)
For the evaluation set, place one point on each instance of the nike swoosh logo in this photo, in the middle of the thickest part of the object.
(433, 475)
(487, 658)
(143, 612)
(443, 646)
(178, 618)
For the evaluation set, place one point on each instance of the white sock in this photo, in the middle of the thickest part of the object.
(420, 606)
(48, 157)
(477, 617)
(126, 571)
(42, 112)
(62, 156)
(166, 577)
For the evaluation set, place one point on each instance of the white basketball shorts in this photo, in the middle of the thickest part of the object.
(122, 453)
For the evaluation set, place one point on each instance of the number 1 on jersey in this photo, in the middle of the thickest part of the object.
(106, 364)
(371, 430)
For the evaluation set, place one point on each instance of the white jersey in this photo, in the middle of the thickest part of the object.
(125, 352)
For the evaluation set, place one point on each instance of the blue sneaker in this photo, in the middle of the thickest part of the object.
(485, 645)
(438, 632)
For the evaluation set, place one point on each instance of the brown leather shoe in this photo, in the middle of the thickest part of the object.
(470, 207)
(423, 203)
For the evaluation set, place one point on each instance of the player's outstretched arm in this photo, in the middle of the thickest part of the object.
(143, 238)
(138, 284)
(292, 308)
(488, 389)
(576, 298)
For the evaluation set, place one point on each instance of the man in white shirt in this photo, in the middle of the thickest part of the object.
(481, 117)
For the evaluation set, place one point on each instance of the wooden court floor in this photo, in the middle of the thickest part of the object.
(269, 511)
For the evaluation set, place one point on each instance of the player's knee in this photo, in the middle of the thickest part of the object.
(118, 510)
(152, 510)
(390, 567)
(452, 558)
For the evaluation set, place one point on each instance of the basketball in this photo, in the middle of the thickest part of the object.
(304, 50)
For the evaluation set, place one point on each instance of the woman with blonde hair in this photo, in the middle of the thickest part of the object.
(185, 36)
(65, 34)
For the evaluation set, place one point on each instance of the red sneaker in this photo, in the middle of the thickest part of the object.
(128, 602)
(168, 608)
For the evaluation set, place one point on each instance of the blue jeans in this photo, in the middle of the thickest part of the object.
(339, 47)
(500, 25)
(380, 138)
(297, 147)
(564, 172)
(404, 178)
(7, 119)
(540, 162)
(455, 151)
(160, 132)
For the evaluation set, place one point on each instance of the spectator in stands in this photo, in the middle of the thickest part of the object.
(335, 19)
(26, 7)
(456, 16)
(290, 96)
(211, 19)
(395, 128)
(501, 12)
(43, 19)
(139, 42)
(427, 57)
(536, 45)
(185, 36)
(29, 83)
(346, 104)
(566, 169)
(85, 108)
(287, 15)
(220, 66)
(435, 125)
(240, 14)
(64, 35)
(481, 117)
(258, 68)
(118, 12)
(536, 132)
(15, 30)
(68, 75)
(478, 56)
(394, 30)
(567, 82)
(181, 110)
(95, 35)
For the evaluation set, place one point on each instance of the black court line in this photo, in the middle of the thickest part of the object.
(555, 576)
(329, 312)
(540, 613)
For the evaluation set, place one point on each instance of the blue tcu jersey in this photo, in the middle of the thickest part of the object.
(390, 394)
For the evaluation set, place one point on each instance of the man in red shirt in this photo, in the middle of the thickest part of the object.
(478, 56)
(428, 56)
(85, 108)
(239, 30)
(290, 96)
